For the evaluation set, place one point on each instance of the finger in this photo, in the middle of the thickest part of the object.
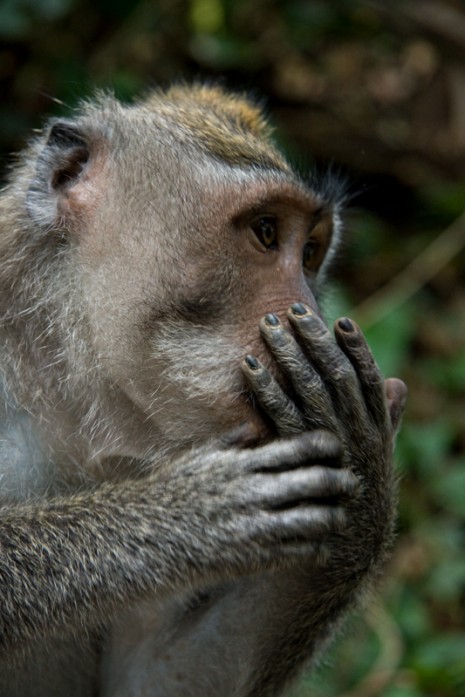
(306, 549)
(333, 365)
(304, 450)
(301, 487)
(307, 383)
(352, 341)
(311, 551)
(306, 522)
(274, 402)
(396, 395)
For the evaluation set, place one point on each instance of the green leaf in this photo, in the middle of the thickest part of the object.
(446, 580)
(421, 447)
(390, 338)
(446, 652)
(407, 691)
(206, 16)
(450, 490)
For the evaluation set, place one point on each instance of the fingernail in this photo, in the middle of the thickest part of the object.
(346, 325)
(272, 319)
(299, 309)
(252, 362)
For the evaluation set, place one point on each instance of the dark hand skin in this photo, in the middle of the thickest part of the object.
(340, 374)
(338, 388)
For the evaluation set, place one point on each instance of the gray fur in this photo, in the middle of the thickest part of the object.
(156, 537)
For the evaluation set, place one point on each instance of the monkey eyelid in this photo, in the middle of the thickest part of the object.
(292, 197)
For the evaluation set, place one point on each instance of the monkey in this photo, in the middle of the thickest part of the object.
(196, 472)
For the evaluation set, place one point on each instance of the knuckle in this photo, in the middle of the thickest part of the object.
(349, 484)
(338, 518)
(277, 336)
(340, 371)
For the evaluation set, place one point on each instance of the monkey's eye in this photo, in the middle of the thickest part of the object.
(266, 231)
(310, 255)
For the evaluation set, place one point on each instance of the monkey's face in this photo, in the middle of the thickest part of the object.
(183, 233)
(178, 283)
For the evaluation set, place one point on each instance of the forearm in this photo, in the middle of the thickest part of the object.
(72, 560)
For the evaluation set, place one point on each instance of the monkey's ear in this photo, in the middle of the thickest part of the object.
(60, 165)
(71, 154)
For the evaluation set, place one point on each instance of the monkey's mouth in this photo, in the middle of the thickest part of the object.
(206, 391)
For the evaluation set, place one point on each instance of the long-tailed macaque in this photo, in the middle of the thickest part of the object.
(196, 473)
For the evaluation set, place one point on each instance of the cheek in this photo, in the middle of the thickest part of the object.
(197, 361)
(192, 386)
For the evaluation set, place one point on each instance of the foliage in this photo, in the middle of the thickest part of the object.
(377, 89)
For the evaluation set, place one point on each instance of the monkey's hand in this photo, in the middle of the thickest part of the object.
(261, 505)
(337, 386)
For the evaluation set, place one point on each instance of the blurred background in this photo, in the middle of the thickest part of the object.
(376, 90)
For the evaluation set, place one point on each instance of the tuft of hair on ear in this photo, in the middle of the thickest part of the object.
(60, 163)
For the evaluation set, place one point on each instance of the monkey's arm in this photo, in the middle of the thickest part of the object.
(207, 516)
